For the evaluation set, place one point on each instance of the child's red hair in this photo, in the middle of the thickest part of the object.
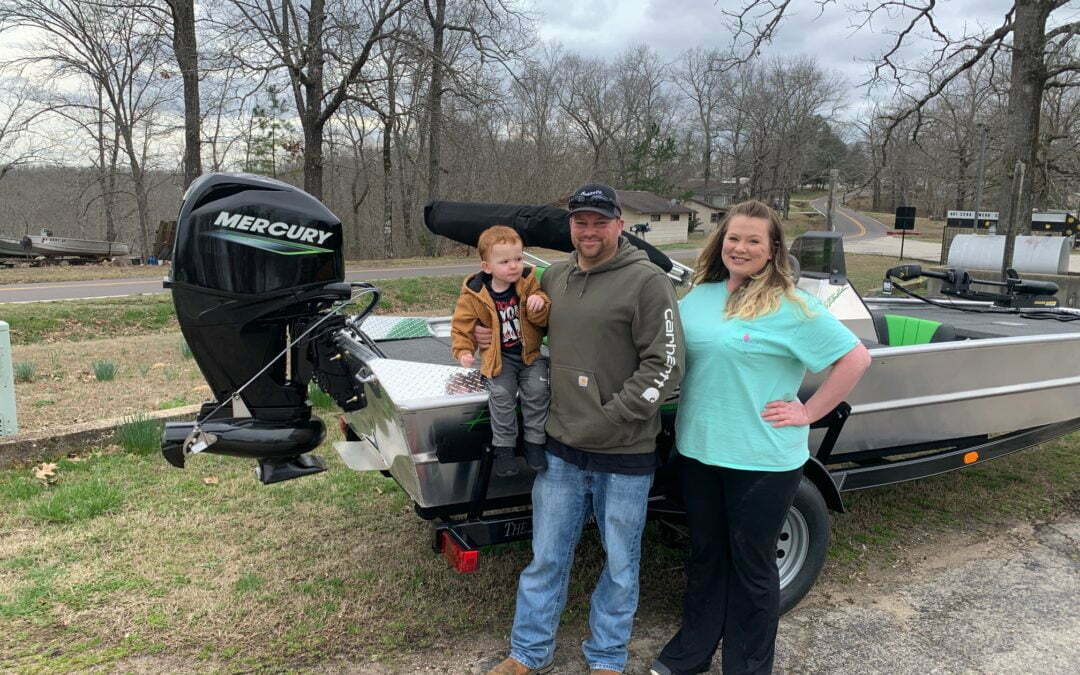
(496, 234)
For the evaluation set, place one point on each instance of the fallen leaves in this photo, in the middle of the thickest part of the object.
(210, 480)
(46, 472)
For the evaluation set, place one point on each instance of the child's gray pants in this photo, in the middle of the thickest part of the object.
(532, 383)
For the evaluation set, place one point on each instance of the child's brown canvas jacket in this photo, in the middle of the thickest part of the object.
(475, 305)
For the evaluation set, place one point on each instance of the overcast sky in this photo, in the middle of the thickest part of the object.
(603, 27)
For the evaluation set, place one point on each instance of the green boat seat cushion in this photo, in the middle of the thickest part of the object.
(897, 330)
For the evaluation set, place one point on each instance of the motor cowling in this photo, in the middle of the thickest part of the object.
(254, 259)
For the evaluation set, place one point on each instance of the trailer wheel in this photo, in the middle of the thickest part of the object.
(803, 542)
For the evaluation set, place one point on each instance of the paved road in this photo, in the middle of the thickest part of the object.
(73, 290)
(852, 224)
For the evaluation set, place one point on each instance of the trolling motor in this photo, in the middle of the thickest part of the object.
(257, 281)
(956, 282)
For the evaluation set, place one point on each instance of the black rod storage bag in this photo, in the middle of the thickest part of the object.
(540, 226)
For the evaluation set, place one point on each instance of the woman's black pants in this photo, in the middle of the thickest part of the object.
(732, 585)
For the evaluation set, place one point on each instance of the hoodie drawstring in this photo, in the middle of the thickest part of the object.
(584, 282)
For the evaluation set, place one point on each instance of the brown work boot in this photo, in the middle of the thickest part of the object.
(511, 666)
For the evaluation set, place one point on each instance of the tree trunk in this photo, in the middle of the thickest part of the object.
(388, 192)
(142, 199)
(187, 57)
(107, 171)
(961, 180)
(438, 29)
(314, 89)
(1027, 80)
(142, 202)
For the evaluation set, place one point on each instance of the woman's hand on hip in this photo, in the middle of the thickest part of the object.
(786, 414)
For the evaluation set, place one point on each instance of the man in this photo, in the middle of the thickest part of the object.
(616, 353)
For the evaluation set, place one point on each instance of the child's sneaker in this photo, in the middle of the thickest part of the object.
(506, 464)
(535, 456)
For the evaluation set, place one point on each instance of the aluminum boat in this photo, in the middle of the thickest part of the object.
(954, 382)
(55, 247)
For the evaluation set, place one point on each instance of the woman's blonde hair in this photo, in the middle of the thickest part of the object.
(760, 294)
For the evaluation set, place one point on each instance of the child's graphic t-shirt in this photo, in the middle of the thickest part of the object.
(507, 306)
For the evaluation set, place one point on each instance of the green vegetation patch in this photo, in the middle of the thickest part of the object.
(338, 566)
(104, 371)
(24, 371)
(37, 322)
(139, 435)
(320, 400)
(79, 500)
(418, 294)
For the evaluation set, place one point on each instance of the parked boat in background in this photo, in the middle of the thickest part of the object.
(11, 247)
(56, 247)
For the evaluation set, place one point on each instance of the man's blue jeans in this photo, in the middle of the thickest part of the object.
(563, 498)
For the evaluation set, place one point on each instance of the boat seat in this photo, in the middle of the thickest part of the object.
(897, 330)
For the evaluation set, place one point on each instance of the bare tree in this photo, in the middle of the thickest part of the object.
(185, 49)
(312, 43)
(703, 86)
(120, 53)
(1038, 35)
(18, 144)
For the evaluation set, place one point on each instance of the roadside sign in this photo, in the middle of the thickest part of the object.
(1057, 223)
(905, 218)
(967, 218)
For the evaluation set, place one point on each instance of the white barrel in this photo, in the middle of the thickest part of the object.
(1041, 255)
(9, 426)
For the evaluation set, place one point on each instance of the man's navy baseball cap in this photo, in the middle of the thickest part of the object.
(596, 197)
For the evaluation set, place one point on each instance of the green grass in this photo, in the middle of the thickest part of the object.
(139, 435)
(865, 272)
(75, 502)
(418, 294)
(337, 566)
(185, 349)
(320, 400)
(24, 371)
(36, 322)
(176, 402)
(104, 371)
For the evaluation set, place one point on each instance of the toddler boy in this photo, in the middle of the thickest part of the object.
(505, 296)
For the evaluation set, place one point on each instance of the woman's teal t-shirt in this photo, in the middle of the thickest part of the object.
(735, 366)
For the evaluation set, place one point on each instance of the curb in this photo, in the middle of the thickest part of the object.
(45, 445)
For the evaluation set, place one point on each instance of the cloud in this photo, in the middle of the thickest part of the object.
(833, 36)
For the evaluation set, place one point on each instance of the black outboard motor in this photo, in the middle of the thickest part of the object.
(256, 263)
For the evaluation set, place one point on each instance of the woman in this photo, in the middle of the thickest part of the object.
(742, 434)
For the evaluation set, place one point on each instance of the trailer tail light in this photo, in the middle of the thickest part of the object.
(971, 457)
(461, 558)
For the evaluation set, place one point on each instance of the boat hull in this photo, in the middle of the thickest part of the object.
(419, 414)
(11, 247)
(936, 392)
(68, 246)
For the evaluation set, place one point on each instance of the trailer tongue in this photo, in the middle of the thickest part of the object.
(257, 277)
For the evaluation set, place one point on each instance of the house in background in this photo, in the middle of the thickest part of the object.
(667, 220)
(708, 216)
(720, 192)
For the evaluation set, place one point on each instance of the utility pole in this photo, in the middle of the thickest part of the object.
(979, 179)
(831, 217)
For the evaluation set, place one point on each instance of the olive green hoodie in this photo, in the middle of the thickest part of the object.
(616, 351)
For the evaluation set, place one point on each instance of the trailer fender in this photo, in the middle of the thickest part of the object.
(822, 480)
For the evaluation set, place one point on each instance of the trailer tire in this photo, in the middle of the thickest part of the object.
(802, 545)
